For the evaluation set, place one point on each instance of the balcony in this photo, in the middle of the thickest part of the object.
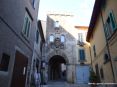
(80, 43)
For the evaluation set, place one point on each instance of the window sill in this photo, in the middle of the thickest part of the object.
(113, 35)
(81, 60)
(25, 37)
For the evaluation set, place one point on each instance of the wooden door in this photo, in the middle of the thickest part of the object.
(19, 71)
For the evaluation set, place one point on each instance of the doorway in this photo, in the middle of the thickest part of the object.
(57, 68)
(19, 70)
(82, 74)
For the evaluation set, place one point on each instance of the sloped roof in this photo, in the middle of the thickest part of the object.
(41, 30)
(95, 14)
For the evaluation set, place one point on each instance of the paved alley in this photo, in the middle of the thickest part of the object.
(64, 84)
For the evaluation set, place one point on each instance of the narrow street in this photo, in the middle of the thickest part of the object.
(58, 43)
(64, 84)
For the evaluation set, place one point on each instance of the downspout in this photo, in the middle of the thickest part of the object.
(107, 45)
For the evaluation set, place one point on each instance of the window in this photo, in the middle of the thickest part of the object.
(56, 25)
(37, 65)
(37, 36)
(34, 3)
(94, 50)
(34, 64)
(106, 58)
(27, 24)
(112, 21)
(62, 38)
(110, 25)
(4, 62)
(107, 31)
(97, 72)
(51, 39)
(101, 73)
(82, 54)
(80, 37)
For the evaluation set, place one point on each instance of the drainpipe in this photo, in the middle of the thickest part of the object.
(107, 45)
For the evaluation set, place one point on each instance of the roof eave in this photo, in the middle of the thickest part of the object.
(41, 31)
(95, 13)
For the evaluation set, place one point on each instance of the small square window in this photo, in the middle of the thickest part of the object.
(4, 62)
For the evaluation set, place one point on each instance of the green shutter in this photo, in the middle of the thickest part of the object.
(107, 32)
(113, 22)
(24, 25)
(28, 27)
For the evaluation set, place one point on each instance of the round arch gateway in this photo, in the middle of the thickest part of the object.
(57, 68)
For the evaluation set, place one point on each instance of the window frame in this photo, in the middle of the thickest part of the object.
(26, 25)
(102, 73)
(108, 27)
(33, 2)
(82, 55)
(4, 67)
(94, 51)
(80, 37)
(51, 35)
(112, 18)
(37, 36)
(62, 37)
(56, 24)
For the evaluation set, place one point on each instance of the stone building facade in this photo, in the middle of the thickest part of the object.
(18, 24)
(61, 54)
(102, 37)
(83, 57)
(62, 51)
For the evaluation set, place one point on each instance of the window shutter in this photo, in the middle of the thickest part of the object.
(113, 21)
(82, 54)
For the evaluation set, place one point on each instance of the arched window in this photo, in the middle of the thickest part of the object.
(51, 39)
(62, 38)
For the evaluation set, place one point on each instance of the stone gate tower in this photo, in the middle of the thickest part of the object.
(60, 47)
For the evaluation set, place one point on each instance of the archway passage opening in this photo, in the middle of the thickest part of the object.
(57, 68)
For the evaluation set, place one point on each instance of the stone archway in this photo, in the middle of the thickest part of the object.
(57, 68)
(57, 52)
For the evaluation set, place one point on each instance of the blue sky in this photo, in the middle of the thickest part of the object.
(82, 9)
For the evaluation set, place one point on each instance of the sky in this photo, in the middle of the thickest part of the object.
(81, 9)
